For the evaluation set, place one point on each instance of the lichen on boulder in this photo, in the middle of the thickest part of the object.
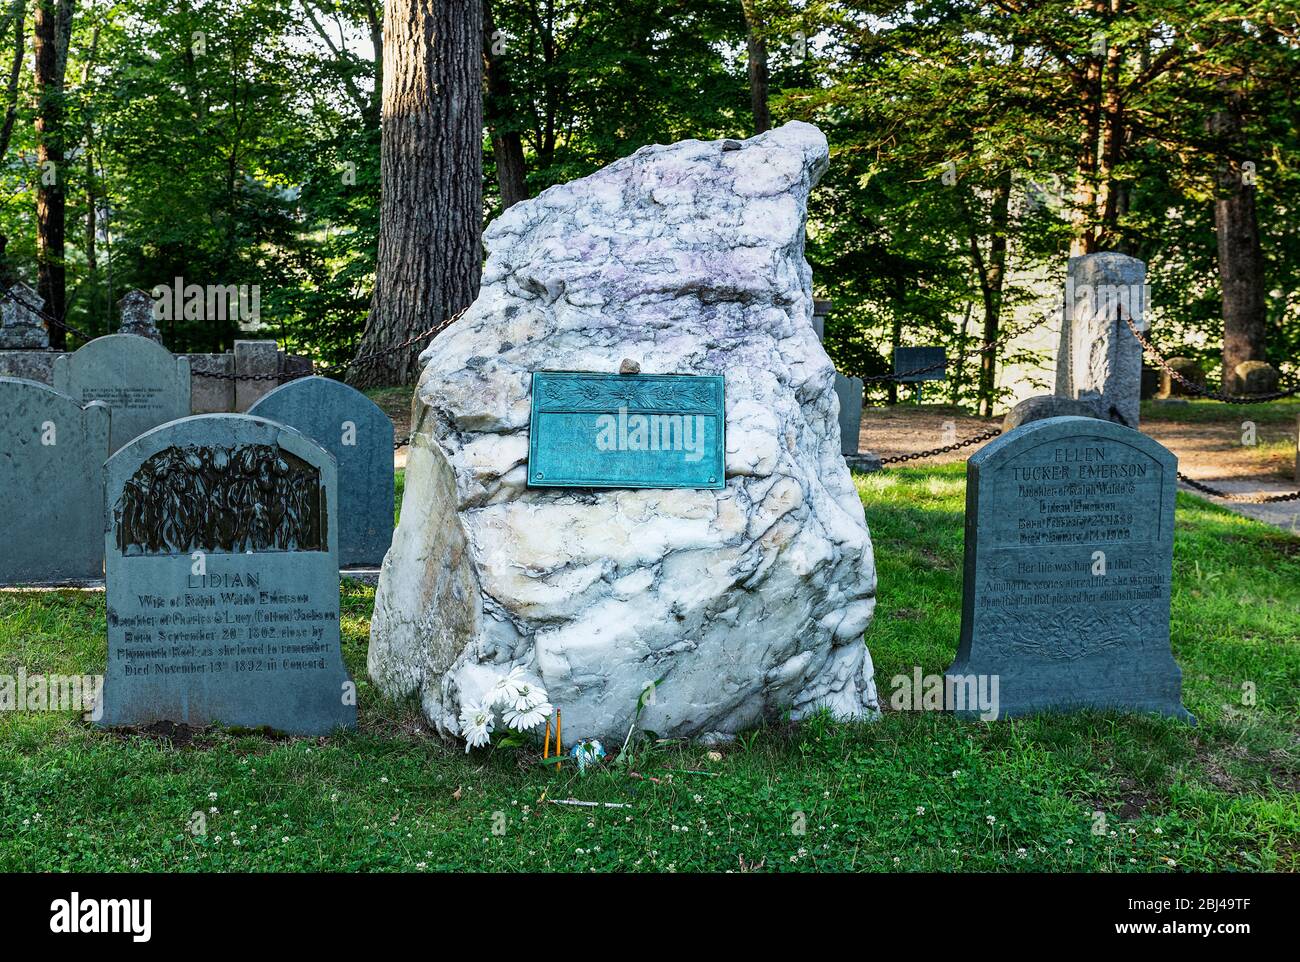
(746, 601)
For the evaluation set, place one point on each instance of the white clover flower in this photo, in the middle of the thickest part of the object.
(476, 724)
(530, 716)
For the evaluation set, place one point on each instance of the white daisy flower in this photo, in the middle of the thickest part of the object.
(523, 717)
(506, 691)
(476, 724)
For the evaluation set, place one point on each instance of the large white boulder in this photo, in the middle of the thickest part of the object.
(747, 601)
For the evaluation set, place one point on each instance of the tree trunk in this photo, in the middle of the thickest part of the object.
(53, 29)
(1241, 263)
(507, 145)
(992, 273)
(431, 168)
(757, 52)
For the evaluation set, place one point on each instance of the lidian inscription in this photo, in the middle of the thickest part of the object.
(222, 579)
(1069, 564)
(253, 497)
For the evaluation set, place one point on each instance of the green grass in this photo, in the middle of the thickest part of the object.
(1204, 410)
(912, 791)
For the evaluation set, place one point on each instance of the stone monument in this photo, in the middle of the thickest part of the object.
(52, 453)
(21, 327)
(140, 380)
(356, 431)
(1069, 563)
(743, 601)
(222, 577)
(136, 312)
(1099, 358)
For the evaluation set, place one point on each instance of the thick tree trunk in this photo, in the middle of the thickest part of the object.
(1241, 262)
(757, 53)
(53, 29)
(507, 145)
(431, 213)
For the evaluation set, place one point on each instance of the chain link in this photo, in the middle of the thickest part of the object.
(1196, 388)
(1242, 498)
(900, 458)
(49, 318)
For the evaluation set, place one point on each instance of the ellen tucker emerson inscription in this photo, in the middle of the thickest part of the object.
(1069, 563)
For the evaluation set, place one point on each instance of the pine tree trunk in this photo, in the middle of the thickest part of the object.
(431, 212)
(1241, 262)
(757, 54)
(507, 146)
(53, 29)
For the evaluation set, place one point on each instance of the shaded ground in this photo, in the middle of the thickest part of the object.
(1207, 436)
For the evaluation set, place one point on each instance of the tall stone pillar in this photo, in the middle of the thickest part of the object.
(1100, 361)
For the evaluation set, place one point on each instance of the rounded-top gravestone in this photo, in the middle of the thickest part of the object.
(359, 434)
(221, 548)
(1068, 571)
(141, 381)
(52, 453)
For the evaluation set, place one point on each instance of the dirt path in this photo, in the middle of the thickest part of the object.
(1209, 451)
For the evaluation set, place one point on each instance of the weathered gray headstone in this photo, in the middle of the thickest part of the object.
(1069, 562)
(21, 327)
(257, 363)
(1099, 358)
(1189, 369)
(140, 380)
(52, 453)
(1043, 406)
(1256, 377)
(359, 434)
(221, 550)
(136, 312)
(849, 392)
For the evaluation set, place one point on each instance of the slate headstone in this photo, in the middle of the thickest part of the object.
(21, 327)
(257, 364)
(1069, 562)
(849, 392)
(52, 453)
(140, 380)
(221, 551)
(136, 312)
(1099, 358)
(359, 434)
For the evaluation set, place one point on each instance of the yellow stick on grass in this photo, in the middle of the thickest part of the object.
(558, 750)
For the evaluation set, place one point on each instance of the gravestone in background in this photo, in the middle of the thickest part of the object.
(140, 380)
(136, 312)
(221, 552)
(1099, 359)
(52, 453)
(359, 434)
(1069, 561)
(21, 327)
